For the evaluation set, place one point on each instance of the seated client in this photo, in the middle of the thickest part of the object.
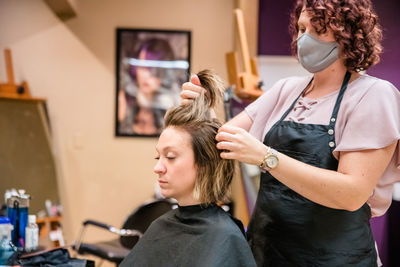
(189, 168)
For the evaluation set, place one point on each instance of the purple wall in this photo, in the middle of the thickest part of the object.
(274, 38)
(388, 68)
(273, 30)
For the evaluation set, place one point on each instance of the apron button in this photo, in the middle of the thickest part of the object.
(333, 120)
(330, 131)
(331, 144)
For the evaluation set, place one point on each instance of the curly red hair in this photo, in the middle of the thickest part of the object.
(354, 25)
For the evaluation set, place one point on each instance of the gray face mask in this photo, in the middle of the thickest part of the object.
(315, 55)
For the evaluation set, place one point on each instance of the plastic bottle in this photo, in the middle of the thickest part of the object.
(31, 234)
(5, 237)
(17, 212)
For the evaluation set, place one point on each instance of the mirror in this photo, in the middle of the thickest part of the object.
(26, 157)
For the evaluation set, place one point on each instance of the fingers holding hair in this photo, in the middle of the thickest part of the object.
(191, 90)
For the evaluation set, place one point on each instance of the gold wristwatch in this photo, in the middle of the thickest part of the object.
(270, 160)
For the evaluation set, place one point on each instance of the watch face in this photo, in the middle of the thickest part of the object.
(272, 161)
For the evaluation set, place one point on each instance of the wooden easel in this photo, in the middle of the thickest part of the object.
(10, 89)
(247, 83)
(246, 86)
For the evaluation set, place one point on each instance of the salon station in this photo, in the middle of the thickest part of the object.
(89, 96)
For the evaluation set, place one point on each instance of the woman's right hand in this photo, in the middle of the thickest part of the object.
(191, 90)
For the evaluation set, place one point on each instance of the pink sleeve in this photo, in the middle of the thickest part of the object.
(374, 122)
(261, 109)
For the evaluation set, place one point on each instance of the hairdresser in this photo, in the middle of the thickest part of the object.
(327, 144)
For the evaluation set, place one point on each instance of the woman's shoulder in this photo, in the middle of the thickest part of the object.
(225, 224)
(367, 91)
(287, 84)
(229, 245)
(367, 84)
(281, 90)
(296, 79)
(160, 222)
(369, 79)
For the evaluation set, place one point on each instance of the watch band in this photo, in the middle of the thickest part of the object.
(263, 163)
(271, 153)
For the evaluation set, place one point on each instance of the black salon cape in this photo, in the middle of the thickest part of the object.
(192, 236)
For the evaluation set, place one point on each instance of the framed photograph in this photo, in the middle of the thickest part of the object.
(151, 67)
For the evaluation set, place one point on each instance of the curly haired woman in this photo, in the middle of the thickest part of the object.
(328, 144)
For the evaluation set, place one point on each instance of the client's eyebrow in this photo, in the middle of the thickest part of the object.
(166, 149)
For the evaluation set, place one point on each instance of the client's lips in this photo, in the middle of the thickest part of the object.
(161, 182)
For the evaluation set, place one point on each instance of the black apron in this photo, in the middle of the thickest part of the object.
(287, 229)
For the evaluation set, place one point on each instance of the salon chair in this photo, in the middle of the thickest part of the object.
(132, 230)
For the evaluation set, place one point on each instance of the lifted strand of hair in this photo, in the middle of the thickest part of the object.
(199, 109)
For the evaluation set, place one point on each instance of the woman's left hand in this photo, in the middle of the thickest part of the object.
(240, 145)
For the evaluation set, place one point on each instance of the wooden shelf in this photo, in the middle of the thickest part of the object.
(47, 226)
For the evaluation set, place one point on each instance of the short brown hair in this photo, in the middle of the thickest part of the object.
(353, 23)
(214, 174)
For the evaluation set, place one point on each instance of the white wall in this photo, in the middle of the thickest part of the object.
(274, 68)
